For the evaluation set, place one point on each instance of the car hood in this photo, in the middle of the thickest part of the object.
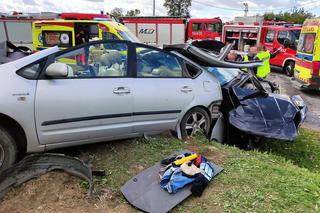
(274, 116)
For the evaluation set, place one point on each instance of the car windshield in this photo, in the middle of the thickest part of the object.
(224, 75)
(127, 35)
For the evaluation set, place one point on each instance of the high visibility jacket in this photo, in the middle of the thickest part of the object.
(245, 59)
(264, 70)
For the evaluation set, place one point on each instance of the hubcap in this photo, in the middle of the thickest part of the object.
(1, 155)
(196, 122)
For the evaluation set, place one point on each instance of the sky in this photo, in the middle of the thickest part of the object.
(226, 9)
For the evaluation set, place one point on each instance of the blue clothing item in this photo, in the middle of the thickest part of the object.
(173, 180)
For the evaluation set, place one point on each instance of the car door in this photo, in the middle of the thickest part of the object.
(161, 90)
(92, 103)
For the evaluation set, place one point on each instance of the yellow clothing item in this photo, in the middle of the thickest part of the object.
(185, 159)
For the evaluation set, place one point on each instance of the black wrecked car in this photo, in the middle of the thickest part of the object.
(252, 108)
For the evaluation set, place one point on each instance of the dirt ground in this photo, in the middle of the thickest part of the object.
(312, 98)
(59, 192)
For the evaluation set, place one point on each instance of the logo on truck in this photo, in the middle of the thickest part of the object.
(146, 31)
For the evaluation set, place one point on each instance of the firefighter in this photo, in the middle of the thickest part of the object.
(256, 53)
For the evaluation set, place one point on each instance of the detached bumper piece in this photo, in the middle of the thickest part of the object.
(143, 191)
(38, 164)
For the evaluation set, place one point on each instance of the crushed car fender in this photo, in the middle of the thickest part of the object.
(36, 165)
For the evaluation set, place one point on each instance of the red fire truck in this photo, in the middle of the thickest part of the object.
(158, 31)
(271, 37)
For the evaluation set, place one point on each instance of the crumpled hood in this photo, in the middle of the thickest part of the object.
(270, 117)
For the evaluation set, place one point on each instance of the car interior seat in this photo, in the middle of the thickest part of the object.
(110, 64)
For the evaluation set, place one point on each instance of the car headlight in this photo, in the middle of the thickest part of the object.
(298, 101)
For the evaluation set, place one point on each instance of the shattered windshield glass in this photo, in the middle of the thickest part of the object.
(224, 75)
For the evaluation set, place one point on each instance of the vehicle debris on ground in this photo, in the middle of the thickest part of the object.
(36, 165)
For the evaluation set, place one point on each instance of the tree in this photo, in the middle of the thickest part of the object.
(296, 16)
(178, 7)
(135, 12)
(117, 12)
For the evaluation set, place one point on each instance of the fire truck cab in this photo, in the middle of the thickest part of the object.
(270, 38)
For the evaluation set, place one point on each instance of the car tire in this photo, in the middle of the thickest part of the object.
(289, 68)
(8, 149)
(194, 121)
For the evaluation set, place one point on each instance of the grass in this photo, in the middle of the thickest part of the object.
(277, 177)
(304, 152)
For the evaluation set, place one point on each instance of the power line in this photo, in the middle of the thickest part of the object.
(236, 9)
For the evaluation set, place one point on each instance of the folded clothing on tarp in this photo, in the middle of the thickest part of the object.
(143, 190)
(185, 169)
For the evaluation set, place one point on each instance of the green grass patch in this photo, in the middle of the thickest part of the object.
(304, 151)
(280, 177)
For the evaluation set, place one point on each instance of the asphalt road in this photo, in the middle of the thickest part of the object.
(311, 98)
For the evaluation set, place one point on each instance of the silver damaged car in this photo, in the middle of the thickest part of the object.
(100, 91)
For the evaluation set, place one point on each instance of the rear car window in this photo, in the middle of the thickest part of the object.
(157, 64)
(306, 43)
(31, 71)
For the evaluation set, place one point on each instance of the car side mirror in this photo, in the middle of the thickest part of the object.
(57, 69)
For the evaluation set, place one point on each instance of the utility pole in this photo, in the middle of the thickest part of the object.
(154, 7)
(246, 9)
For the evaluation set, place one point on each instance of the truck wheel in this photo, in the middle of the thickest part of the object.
(8, 149)
(289, 68)
(194, 121)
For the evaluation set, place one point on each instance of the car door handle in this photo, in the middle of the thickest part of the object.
(121, 90)
(186, 89)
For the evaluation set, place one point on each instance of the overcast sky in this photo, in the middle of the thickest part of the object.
(226, 9)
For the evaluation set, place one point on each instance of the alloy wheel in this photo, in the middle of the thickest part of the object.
(196, 122)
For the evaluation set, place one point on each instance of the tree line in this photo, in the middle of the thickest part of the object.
(182, 8)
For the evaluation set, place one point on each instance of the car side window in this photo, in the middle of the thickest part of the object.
(282, 35)
(156, 64)
(97, 60)
(32, 70)
(270, 36)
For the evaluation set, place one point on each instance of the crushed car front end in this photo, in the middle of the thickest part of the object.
(251, 107)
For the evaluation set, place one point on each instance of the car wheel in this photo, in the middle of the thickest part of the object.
(289, 68)
(194, 121)
(8, 149)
